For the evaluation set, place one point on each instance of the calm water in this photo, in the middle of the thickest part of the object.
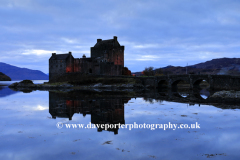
(28, 127)
(7, 83)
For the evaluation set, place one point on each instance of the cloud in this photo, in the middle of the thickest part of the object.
(148, 58)
(37, 52)
(68, 40)
(157, 33)
(146, 46)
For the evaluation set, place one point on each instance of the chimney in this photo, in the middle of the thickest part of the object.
(115, 38)
(53, 54)
(99, 40)
(84, 56)
(70, 53)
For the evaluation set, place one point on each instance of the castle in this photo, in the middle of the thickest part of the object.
(103, 110)
(107, 58)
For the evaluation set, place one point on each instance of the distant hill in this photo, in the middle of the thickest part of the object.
(4, 77)
(169, 66)
(218, 63)
(221, 66)
(17, 73)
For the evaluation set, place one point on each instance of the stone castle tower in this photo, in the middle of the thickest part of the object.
(107, 58)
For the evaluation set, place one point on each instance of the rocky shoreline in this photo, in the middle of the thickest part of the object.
(226, 96)
(220, 97)
(29, 85)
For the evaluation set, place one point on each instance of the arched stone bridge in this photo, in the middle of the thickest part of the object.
(215, 81)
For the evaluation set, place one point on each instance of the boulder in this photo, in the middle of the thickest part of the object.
(26, 82)
(13, 85)
(97, 85)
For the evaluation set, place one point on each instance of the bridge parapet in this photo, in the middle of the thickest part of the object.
(216, 82)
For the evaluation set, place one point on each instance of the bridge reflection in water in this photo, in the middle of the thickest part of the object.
(103, 110)
(186, 96)
(108, 107)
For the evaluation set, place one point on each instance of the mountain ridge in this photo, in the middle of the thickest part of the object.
(17, 73)
(219, 66)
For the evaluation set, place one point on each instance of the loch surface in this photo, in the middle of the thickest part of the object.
(29, 127)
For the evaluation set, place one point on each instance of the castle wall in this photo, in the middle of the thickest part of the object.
(118, 56)
(70, 64)
(77, 66)
(57, 67)
(108, 68)
(86, 65)
(115, 54)
(107, 58)
(97, 52)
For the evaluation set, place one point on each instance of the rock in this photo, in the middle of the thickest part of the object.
(26, 85)
(97, 85)
(138, 85)
(108, 86)
(65, 85)
(13, 85)
(23, 84)
(126, 86)
(226, 94)
(147, 86)
(29, 85)
(26, 82)
(45, 86)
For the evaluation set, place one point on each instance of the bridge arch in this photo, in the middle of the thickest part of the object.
(174, 84)
(182, 95)
(196, 83)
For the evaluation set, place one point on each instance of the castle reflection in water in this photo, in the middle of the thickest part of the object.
(108, 107)
(107, 110)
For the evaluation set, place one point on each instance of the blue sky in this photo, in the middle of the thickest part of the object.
(154, 32)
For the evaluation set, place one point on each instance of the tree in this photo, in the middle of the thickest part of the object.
(148, 71)
(126, 71)
(158, 72)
